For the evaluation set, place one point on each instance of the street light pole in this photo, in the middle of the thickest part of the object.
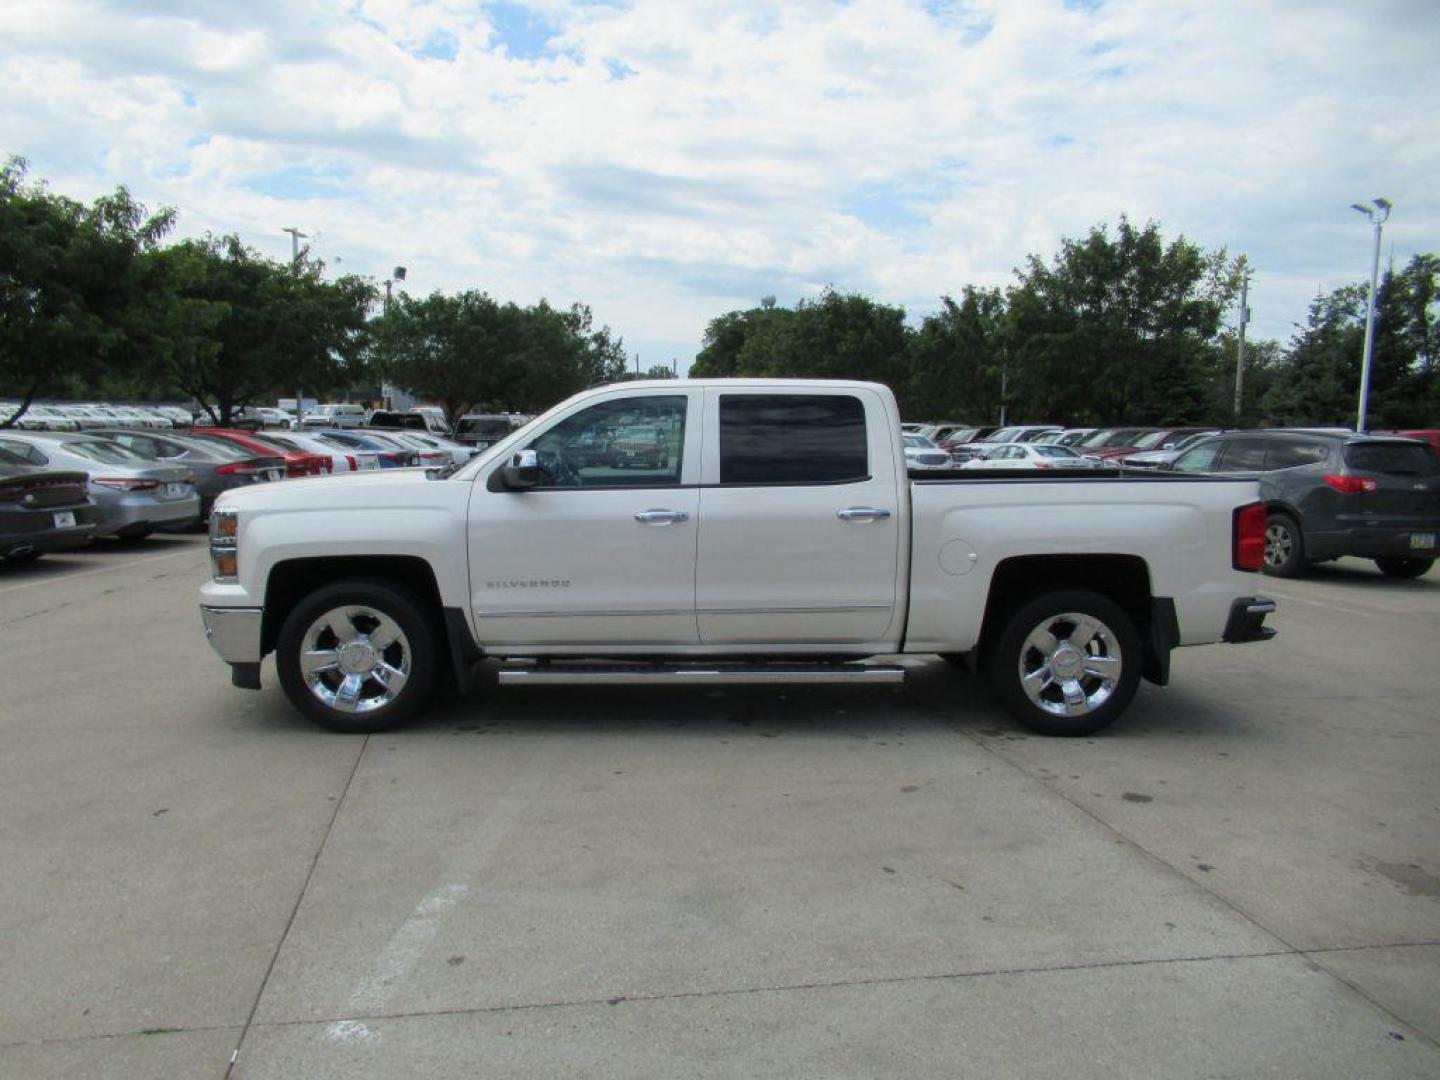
(1378, 216)
(1240, 353)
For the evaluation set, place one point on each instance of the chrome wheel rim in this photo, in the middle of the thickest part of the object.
(1278, 544)
(355, 659)
(1070, 664)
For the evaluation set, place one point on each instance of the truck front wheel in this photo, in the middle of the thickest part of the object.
(357, 656)
(1066, 663)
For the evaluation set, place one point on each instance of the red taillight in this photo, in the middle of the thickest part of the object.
(1247, 546)
(125, 483)
(1351, 485)
(1042, 465)
(350, 460)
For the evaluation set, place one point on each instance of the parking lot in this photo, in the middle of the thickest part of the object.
(1241, 879)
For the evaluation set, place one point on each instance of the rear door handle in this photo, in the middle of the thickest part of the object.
(863, 513)
(661, 517)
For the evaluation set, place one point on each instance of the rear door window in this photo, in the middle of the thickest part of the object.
(792, 439)
(1290, 453)
(1244, 455)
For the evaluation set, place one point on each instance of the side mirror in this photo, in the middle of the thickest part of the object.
(522, 472)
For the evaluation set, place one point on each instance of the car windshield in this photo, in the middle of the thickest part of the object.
(283, 442)
(1149, 442)
(1398, 459)
(1098, 438)
(919, 442)
(107, 453)
(1054, 451)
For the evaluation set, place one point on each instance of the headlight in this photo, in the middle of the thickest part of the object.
(224, 543)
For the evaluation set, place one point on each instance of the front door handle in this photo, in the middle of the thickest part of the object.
(863, 513)
(661, 517)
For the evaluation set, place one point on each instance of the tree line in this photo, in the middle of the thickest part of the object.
(95, 303)
(1121, 326)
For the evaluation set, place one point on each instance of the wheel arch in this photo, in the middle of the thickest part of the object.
(292, 580)
(1124, 579)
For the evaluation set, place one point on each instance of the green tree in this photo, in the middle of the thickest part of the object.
(1318, 380)
(838, 336)
(956, 358)
(68, 283)
(1120, 329)
(469, 352)
(229, 327)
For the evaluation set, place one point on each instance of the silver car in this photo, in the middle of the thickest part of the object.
(921, 453)
(217, 467)
(134, 497)
(1021, 455)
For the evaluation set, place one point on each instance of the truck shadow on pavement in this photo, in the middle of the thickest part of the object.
(936, 698)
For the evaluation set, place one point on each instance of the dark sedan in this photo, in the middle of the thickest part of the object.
(41, 510)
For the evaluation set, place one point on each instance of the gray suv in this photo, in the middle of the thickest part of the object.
(1331, 494)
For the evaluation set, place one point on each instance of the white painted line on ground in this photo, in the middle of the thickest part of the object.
(408, 943)
(63, 577)
(1290, 598)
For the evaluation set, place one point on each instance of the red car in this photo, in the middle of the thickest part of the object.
(297, 462)
(1162, 439)
(1425, 435)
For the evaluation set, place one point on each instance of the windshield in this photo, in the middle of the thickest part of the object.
(1098, 438)
(1049, 450)
(1148, 442)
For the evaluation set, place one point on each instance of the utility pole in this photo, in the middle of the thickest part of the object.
(295, 237)
(1240, 353)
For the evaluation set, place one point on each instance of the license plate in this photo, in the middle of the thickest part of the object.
(1422, 540)
(65, 519)
(175, 491)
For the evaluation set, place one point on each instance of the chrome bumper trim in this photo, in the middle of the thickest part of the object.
(233, 632)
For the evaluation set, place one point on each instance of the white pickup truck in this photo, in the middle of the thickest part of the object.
(774, 536)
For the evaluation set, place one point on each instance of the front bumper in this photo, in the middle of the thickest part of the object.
(233, 632)
(1247, 620)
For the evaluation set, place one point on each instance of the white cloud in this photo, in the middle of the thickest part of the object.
(668, 161)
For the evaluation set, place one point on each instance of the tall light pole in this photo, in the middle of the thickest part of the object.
(1240, 353)
(295, 237)
(1378, 216)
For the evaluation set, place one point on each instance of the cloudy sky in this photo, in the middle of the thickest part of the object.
(666, 161)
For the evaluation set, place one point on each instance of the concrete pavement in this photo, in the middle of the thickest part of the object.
(1241, 879)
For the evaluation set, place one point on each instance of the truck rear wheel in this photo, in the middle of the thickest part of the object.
(1066, 663)
(357, 656)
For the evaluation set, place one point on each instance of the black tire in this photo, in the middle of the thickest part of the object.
(1284, 546)
(1404, 566)
(417, 644)
(1105, 666)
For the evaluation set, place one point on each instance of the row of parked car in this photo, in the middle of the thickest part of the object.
(60, 490)
(1329, 492)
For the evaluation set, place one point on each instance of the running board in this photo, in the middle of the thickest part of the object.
(698, 675)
